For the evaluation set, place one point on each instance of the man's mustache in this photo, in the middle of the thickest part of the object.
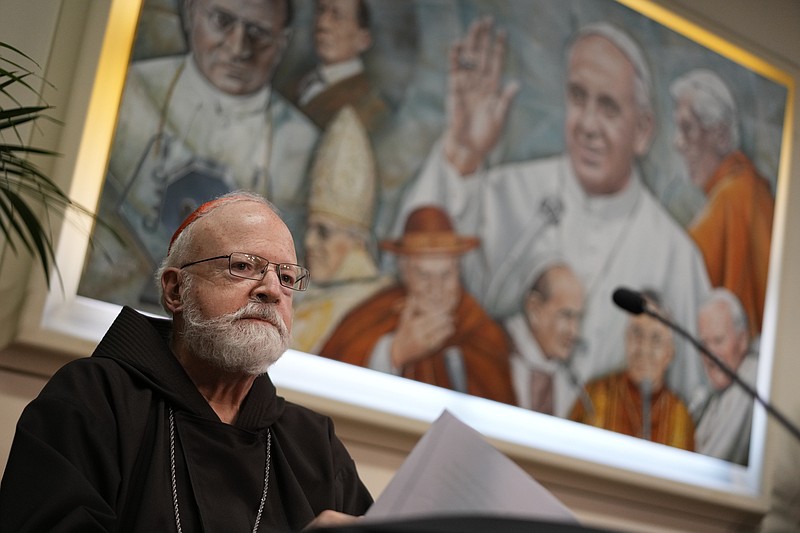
(260, 312)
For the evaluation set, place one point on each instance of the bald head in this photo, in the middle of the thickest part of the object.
(554, 308)
(214, 228)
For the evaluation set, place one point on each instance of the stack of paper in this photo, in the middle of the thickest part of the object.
(454, 471)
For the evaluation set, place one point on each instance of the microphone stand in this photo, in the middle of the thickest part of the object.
(728, 371)
(645, 389)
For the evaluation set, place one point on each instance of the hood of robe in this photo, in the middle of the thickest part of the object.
(140, 344)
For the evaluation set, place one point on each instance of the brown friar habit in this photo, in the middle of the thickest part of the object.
(92, 451)
(480, 339)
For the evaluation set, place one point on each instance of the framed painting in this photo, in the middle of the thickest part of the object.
(469, 182)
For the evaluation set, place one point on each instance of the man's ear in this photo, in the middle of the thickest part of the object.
(283, 42)
(532, 304)
(645, 130)
(171, 290)
(722, 140)
(364, 38)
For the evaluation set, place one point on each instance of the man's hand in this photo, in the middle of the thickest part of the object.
(331, 518)
(420, 332)
(477, 105)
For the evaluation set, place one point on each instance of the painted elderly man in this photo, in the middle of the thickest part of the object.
(637, 400)
(428, 327)
(338, 241)
(192, 127)
(734, 229)
(546, 336)
(723, 427)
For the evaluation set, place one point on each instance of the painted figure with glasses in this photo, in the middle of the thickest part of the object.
(192, 127)
(175, 424)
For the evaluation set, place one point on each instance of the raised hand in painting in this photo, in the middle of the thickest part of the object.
(422, 330)
(477, 101)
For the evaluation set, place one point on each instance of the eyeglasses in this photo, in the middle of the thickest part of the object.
(223, 23)
(249, 266)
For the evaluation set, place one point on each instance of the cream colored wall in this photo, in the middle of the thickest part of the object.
(15, 269)
(768, 28)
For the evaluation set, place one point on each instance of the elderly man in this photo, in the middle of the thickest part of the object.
(175, 424)
(735, 228)
(723, 428)
(545, 335)
(589, 205)
(637, 401)
(428, 328)
(341, 35)
(195, 126)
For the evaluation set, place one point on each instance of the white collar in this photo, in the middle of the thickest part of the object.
(337, 72)
(527, 346)
(606, 206)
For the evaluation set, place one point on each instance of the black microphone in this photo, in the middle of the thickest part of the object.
(633, 302)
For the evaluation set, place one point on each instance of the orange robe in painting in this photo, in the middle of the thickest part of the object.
(482, 341)
(617, 406)
(733, 232)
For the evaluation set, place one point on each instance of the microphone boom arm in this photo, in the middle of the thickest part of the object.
(729, 372)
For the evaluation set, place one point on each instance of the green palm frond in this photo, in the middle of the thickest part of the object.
(27, 195)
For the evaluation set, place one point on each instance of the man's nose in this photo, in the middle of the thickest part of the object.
(588, 119)
(237, 41)
(324, 20)
(269, 289)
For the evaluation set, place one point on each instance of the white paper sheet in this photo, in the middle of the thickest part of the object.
(453, 470)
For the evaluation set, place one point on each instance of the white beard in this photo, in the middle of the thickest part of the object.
(233, 345)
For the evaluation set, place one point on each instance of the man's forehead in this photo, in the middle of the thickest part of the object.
(645, 324)
(341, 5)
(246, 226)
(273, 11)
(601, 53)
(230, 220)
(716, 314)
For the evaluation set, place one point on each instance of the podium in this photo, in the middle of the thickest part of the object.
(463, 524)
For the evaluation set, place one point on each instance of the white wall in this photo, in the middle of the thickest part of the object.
(768, 28)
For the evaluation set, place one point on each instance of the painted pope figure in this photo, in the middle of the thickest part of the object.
(192, 127)
(338, 241)
(589, 204)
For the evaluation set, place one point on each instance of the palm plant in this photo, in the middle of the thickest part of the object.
(27, 194)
